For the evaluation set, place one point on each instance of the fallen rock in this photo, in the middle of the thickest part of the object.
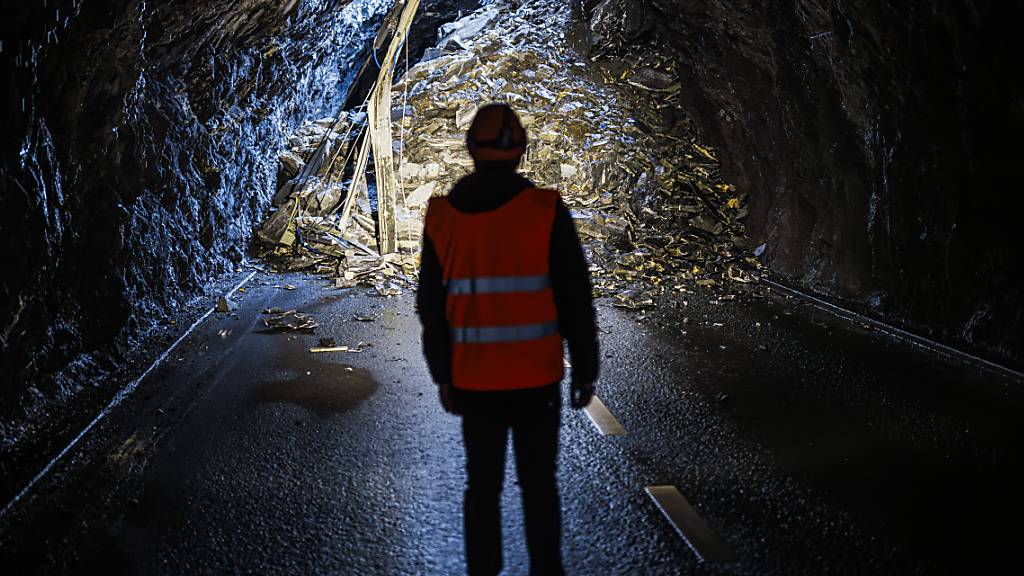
(224, 305)
(420, 195)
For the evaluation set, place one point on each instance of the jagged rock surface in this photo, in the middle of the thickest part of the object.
(141, 150)
(138, 157)
(872, 138)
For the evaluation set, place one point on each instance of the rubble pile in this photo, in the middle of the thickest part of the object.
(304, 229)
(648, 200)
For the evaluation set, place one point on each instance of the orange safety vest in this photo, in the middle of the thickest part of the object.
(500, 308)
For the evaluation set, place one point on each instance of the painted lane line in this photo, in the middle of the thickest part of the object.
(691, 527)
(603, 419)
(118, 398)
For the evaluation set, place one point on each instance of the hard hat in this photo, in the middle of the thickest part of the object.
(496, 135)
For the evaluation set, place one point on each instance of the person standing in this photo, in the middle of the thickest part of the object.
(503, 281)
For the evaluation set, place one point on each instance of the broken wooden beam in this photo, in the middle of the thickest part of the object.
(379, 121)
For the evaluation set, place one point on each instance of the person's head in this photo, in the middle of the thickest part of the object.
(496, 139)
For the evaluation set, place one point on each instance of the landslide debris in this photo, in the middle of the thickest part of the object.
(647, 197)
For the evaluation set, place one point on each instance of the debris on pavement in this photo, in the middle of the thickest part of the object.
(224, 305)
(291, 320)
(633, 299)
(334, 347)
(319, 349)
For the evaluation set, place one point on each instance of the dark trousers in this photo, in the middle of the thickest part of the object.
(533, 416)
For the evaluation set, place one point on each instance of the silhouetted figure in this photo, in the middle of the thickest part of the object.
(503, 281)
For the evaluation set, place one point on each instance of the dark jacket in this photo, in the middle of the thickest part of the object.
(485, 190)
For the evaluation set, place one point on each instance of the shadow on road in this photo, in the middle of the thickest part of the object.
(325, 392)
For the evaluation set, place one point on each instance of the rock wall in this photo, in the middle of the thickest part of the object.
(876, 141)
(138, 154)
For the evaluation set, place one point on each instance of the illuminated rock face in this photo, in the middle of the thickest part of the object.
(140, 151)
(876, 141)
(141, 160)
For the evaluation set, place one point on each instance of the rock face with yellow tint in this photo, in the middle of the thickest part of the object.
(648, 198)
(635, 187)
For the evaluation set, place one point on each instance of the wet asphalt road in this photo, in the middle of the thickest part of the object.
(809, 447)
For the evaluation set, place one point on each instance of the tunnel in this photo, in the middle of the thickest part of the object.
(796, 219)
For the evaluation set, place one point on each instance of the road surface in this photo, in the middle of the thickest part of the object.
(805, 445)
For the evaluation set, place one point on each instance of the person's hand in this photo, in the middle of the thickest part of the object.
(445, 393)
(580, 394)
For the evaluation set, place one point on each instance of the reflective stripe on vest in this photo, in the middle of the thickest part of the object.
(496, 334)
(499, 305)
(498, 285)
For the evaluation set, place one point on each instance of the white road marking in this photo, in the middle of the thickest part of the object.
(603, 420)
(698, 536)
(118, 398)
(899, 334)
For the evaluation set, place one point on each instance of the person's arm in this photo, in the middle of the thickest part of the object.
(430, 300)
(570, 283)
